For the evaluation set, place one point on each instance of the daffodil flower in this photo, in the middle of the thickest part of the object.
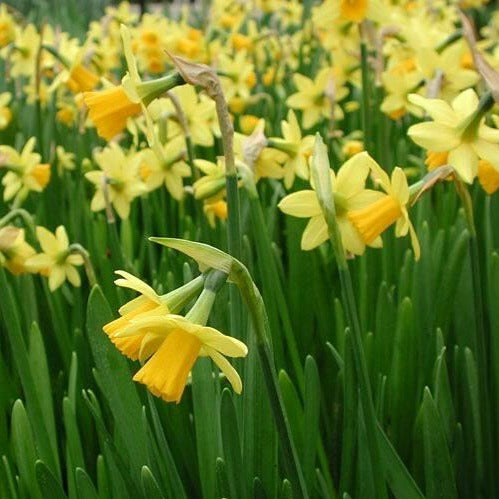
(119, 175)
(148, 303)
(25, 172)
(374, 218)
(312, 99)
(165, 164)
(459, 130)
(297, 148)
(14, 250)
(349, 193)
(56, 260)
(110, 108)
(172, 343)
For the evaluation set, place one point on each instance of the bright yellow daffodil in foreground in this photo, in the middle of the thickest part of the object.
(148, 330)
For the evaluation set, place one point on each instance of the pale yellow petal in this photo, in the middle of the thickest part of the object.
(57, 277)
(303, 204)
(132, 282)
(351, 177)
(225, 366)
(315, 233)
(47, 240)
(400, 188)
(434, 136)
(465, 161)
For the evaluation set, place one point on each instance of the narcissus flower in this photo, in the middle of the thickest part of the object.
(314, 97)
(14, 250)
(349, 193)
(297, 148)
(25, 172)
(373, 219)
(165, 165)
(5, 112)
(110, 108)
(459, 130)
(172, 343)
(147, 304)
(56, 260)
(215, 209)
(119, 175)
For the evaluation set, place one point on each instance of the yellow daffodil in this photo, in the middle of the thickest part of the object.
(199, 112)
(312, 97)
(172, 343)
(374, 218)
(398, 86)
(212, 184)
(25, 172)
(119, 176)
(7, 26)
(237, 75)
(352, 147)
(148, 303)
(459, 130)
(109, 109)
(5, 112)
(349, 193)
(215, 209)
(297, 148)
(65, 159)
(165, 165)
(14, 250)
(23, 55)
(56, 260)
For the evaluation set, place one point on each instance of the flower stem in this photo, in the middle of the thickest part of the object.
(320, 173)
(254, 301)
(78, 249)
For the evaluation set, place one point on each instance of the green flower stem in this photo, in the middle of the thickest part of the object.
(482, 340)
(320, 173)
(89, 268)
(22, 214)
(258, 313)
(233, 221)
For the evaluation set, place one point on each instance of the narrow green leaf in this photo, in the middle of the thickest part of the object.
(311, 419)
(114, 380)
(9, 485)
(48, 483)
(40, 372)
(206, 424)
(84, 485)
(223, 488)
(439, 475)
(399, 479)
(23, 447)
(10, 316)
(231, 445)
(150, 485)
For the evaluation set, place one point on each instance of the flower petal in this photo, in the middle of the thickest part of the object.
(132, 282)
(303, 204)
(465, 161)
(434, 136)
(225, 366)
(315, 233)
